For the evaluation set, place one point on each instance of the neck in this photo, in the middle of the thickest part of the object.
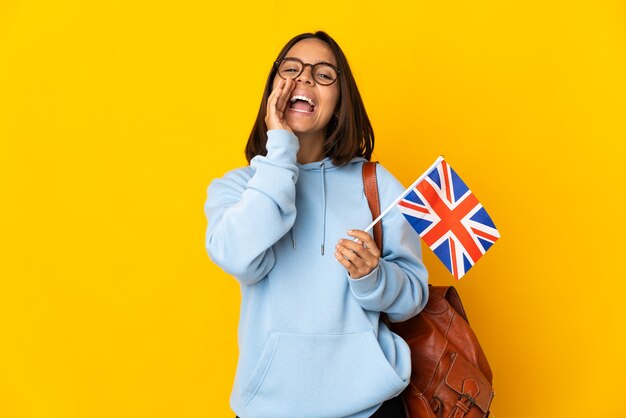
(311, 148)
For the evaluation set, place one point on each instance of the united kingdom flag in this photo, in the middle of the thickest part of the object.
(449, 218)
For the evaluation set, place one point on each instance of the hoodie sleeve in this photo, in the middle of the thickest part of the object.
(249, 210)
(398, 286)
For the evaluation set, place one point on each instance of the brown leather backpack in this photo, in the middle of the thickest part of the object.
(450, 375)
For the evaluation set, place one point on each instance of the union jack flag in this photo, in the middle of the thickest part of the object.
(449, 218)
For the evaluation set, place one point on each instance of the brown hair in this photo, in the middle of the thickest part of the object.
(349, 132)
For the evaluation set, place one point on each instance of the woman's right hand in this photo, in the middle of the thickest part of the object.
(277, 105)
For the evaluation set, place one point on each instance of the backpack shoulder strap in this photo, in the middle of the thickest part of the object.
(370, 185)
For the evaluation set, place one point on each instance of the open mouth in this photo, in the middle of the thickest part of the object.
(302, 104)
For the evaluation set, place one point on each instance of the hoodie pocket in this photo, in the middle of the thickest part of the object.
(326, 375)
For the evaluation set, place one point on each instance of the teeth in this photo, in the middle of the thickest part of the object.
(300, 97)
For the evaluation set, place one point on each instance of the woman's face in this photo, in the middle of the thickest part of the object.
(303, 120)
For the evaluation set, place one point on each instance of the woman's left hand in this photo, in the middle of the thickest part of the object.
(359, 257)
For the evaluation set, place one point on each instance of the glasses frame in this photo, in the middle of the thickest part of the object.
(304, 65)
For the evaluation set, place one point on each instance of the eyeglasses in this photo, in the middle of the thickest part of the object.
(323, 73)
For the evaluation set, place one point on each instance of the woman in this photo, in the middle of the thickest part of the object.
(311, 342)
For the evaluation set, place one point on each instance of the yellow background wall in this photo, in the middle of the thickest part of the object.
(115, 115)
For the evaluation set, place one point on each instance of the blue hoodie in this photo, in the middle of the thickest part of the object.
(311, 342)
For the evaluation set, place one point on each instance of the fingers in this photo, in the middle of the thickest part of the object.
(270, 114)
(367, 240)
(277, 104)
(285, 94)
(356, 265)
(274, 97)
(275, 92)
(358, 258)
(347, 264)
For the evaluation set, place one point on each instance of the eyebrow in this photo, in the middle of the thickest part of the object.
(319, 62)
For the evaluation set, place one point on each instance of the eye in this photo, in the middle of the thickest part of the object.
(289, 68)
(325, 74)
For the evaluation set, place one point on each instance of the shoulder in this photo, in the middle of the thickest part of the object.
(235, 179)
(389, 188)
(238, 175)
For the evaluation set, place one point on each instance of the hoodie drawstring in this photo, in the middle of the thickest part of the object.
(322, 165)
(292, 231)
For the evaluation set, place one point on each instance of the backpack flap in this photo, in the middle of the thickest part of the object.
(468, 381)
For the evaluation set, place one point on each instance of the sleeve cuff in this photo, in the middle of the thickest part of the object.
(366, 284)
(281, 144)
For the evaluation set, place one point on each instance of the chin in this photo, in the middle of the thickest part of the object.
(304, 128)
(298, 126)
(303, 131)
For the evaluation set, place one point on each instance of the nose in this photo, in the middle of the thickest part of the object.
(306, 76)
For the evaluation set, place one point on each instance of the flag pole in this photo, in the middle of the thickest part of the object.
(437, 161)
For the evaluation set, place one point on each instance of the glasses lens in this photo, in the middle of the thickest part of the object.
(324, 74)
(289, 69)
